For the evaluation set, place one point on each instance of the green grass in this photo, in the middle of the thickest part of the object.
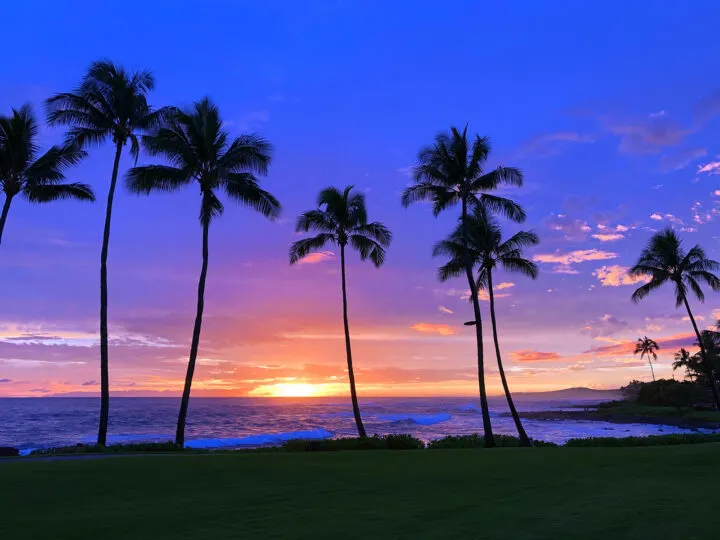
(506, 493)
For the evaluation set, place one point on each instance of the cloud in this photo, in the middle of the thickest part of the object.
(504, 285)
(577, 256)
(444, 309)
(90, 383)
(5, 380)
(701, 216)
(667, 217)
(430, 328)
(656, 217)
(252, 120)
(627, 347)
(708, 106)
(317, 257)
(564, 261)
(606, 325)
(712, 167)
(616, 276)
(647, 135)
(572, 229)
(677, 161)
(622, 228)
(608, 237)
(552, 144)
(528, 355)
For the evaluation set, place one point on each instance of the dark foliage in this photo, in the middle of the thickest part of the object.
(652, 440)
(478, 441)
(385, 442)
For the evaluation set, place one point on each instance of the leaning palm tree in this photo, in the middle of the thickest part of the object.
(39, 179)
(110, 103)
(646, 347)
(341, 220)
(199, 150)
(450, 171)
(488, 250)
(665, 261)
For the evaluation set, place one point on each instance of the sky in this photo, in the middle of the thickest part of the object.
(611, 110)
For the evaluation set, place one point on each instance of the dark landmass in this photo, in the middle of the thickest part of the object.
(578, 393)
(622, 412)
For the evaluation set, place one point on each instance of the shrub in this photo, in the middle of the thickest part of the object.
(386, 442)
(651, 440)
(112, 449)
(478, 441)
(9, 451)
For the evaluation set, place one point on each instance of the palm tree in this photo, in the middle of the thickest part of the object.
(646, 347)
(37, 178)
(665, 261)
(200, 150)
(341, 220)
(109, 103)
(450, 171)
(488, 251)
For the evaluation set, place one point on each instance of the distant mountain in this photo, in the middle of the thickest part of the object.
(578, 393)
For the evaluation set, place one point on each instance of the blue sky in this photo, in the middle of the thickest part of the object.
(611, 109)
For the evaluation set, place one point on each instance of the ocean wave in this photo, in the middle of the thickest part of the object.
(421, 419)
(259, 439)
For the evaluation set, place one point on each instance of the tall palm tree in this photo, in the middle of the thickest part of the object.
(646, 347)
(110, 103)
(664, 260)
(341, 220)
(448, 172)
(37, 178)
(199, 150)
(488, 250)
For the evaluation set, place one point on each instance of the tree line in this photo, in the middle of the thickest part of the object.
(111, 105)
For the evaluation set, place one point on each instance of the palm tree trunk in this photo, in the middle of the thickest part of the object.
(4, 215)
(703, 353)
(652, 370)
(487, 426)
(104, 363)
(180, 432)
(348, 351)
(524, 439)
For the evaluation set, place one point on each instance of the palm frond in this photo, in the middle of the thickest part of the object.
(376, 231)
(315, 220)
(302, 248)
(44, 193)
(502, 176)
(520, 265)
(247, 153)
(644, 290)
(503, 206)
(368, 249)
(151, 178)
(244, 188)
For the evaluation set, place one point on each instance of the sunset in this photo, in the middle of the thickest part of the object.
(401, 237)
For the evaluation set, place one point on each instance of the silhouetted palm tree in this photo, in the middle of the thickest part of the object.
(200, 151)
(341, 220)
(488, 251)
(665, 261)
(450, 171)
(110, 103)
(646, 347)
(22, 172)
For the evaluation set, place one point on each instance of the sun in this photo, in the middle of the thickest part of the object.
(289, 390)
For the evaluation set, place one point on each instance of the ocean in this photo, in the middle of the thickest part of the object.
(29, 423)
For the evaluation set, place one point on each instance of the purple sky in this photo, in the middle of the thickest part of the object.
(611, 111)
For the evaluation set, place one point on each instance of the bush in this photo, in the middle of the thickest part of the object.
(478, 441)
(131, 448)
(671, 393)
(9, 451)
(386, 442)
(651, 440)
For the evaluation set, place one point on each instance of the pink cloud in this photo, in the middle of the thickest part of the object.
(528, 355)
(616, 276)
(318, 257)
(713, 167)
(444, 309)
(609, 237)
(677, 161)
(577, 256)
(648, 135)
(430, 328)
(552, 144)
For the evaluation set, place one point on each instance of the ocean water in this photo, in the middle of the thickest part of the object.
(245, 422)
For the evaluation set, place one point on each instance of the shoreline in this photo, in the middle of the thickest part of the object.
(601, 415)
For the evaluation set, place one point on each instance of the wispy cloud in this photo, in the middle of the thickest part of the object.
(317, 257)
(444, 309)
(616, 276)
(431, 328)
(606, 325)
(608, 237)
(564, 261)
(712, 167)
(647, 135)
(528, 355)
(676, 161)
(5, 380)
(551, 144)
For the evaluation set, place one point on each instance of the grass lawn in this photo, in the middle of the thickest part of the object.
(542, 493)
